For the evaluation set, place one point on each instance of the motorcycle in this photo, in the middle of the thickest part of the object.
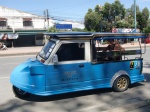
(3, 46)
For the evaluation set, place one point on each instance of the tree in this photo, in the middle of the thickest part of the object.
(52, 29)
(140, 21)
(142, 18)
(115, 15)
(104, 18)
(122, 24)
(89, 11)
(107, 11)
(132, 9)
(148, 22)
(98, 9)
(145, 13)
(146, 30)
(78, 29)
(129, 18)
(113, 12)
(92, 21)
(118, 9)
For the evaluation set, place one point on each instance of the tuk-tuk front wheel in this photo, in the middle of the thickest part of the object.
(121, 84)
(20, 93)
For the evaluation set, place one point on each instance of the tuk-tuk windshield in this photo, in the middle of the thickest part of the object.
(47, 49)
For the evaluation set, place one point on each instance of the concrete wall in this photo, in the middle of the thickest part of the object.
(15, 19)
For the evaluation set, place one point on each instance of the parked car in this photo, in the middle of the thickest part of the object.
(147, 40)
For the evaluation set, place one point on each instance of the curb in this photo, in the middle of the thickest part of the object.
(18, 54)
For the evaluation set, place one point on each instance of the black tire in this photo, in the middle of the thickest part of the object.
(20, 93)
(121, 84)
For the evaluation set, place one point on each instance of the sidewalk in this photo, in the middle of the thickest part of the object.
(21, 51)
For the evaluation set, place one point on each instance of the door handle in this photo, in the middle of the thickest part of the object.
(81, 65)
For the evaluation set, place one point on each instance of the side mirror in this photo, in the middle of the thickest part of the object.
(55, 59)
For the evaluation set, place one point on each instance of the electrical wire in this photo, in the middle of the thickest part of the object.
(71, 5)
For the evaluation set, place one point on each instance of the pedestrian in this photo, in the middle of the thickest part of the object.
(4, 38)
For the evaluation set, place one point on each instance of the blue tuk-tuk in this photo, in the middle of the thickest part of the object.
(71, 62)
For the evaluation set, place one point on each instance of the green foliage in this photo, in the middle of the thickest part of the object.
(92, 21)
(104, 18)
(115, 15)
(52, 29)
(122, 24)
(78, 30)
(148, 22)
(142, 18)
(132, 9)
(129, 18)
(145, 13)
(111, 11)
(146, 30)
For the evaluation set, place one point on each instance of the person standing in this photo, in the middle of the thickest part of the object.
(4, 38)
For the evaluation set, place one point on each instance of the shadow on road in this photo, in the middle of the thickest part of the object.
(36, 98)
(147, 77)
(75, 99)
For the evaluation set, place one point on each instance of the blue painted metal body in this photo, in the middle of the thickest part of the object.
(39, 78)
(36, 78)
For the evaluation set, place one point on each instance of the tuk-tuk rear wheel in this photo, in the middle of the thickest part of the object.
(20, 93)
(121, 84)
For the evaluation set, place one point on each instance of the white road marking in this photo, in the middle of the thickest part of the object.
(4, 78)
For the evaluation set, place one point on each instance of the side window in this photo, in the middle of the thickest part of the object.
(71, 52)
(114, 50)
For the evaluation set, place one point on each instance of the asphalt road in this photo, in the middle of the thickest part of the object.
(86, 101)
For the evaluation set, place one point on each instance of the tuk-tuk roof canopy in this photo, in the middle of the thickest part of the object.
(95, 35)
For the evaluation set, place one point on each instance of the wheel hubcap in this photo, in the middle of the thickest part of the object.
(122, 82)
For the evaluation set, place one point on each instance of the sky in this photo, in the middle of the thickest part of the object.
(65, 9)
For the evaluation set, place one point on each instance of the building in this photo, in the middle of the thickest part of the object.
(14, 19)
(26, 25)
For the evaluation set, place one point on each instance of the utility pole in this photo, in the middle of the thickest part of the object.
(135, 15)
(47, 17)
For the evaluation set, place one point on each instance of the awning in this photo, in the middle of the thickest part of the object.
(27, 19)
(9, 35)
(3, 19)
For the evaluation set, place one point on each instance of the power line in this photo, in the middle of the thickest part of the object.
(76, 4)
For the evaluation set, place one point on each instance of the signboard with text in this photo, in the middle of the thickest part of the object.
(63, 26)
(125, 30)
